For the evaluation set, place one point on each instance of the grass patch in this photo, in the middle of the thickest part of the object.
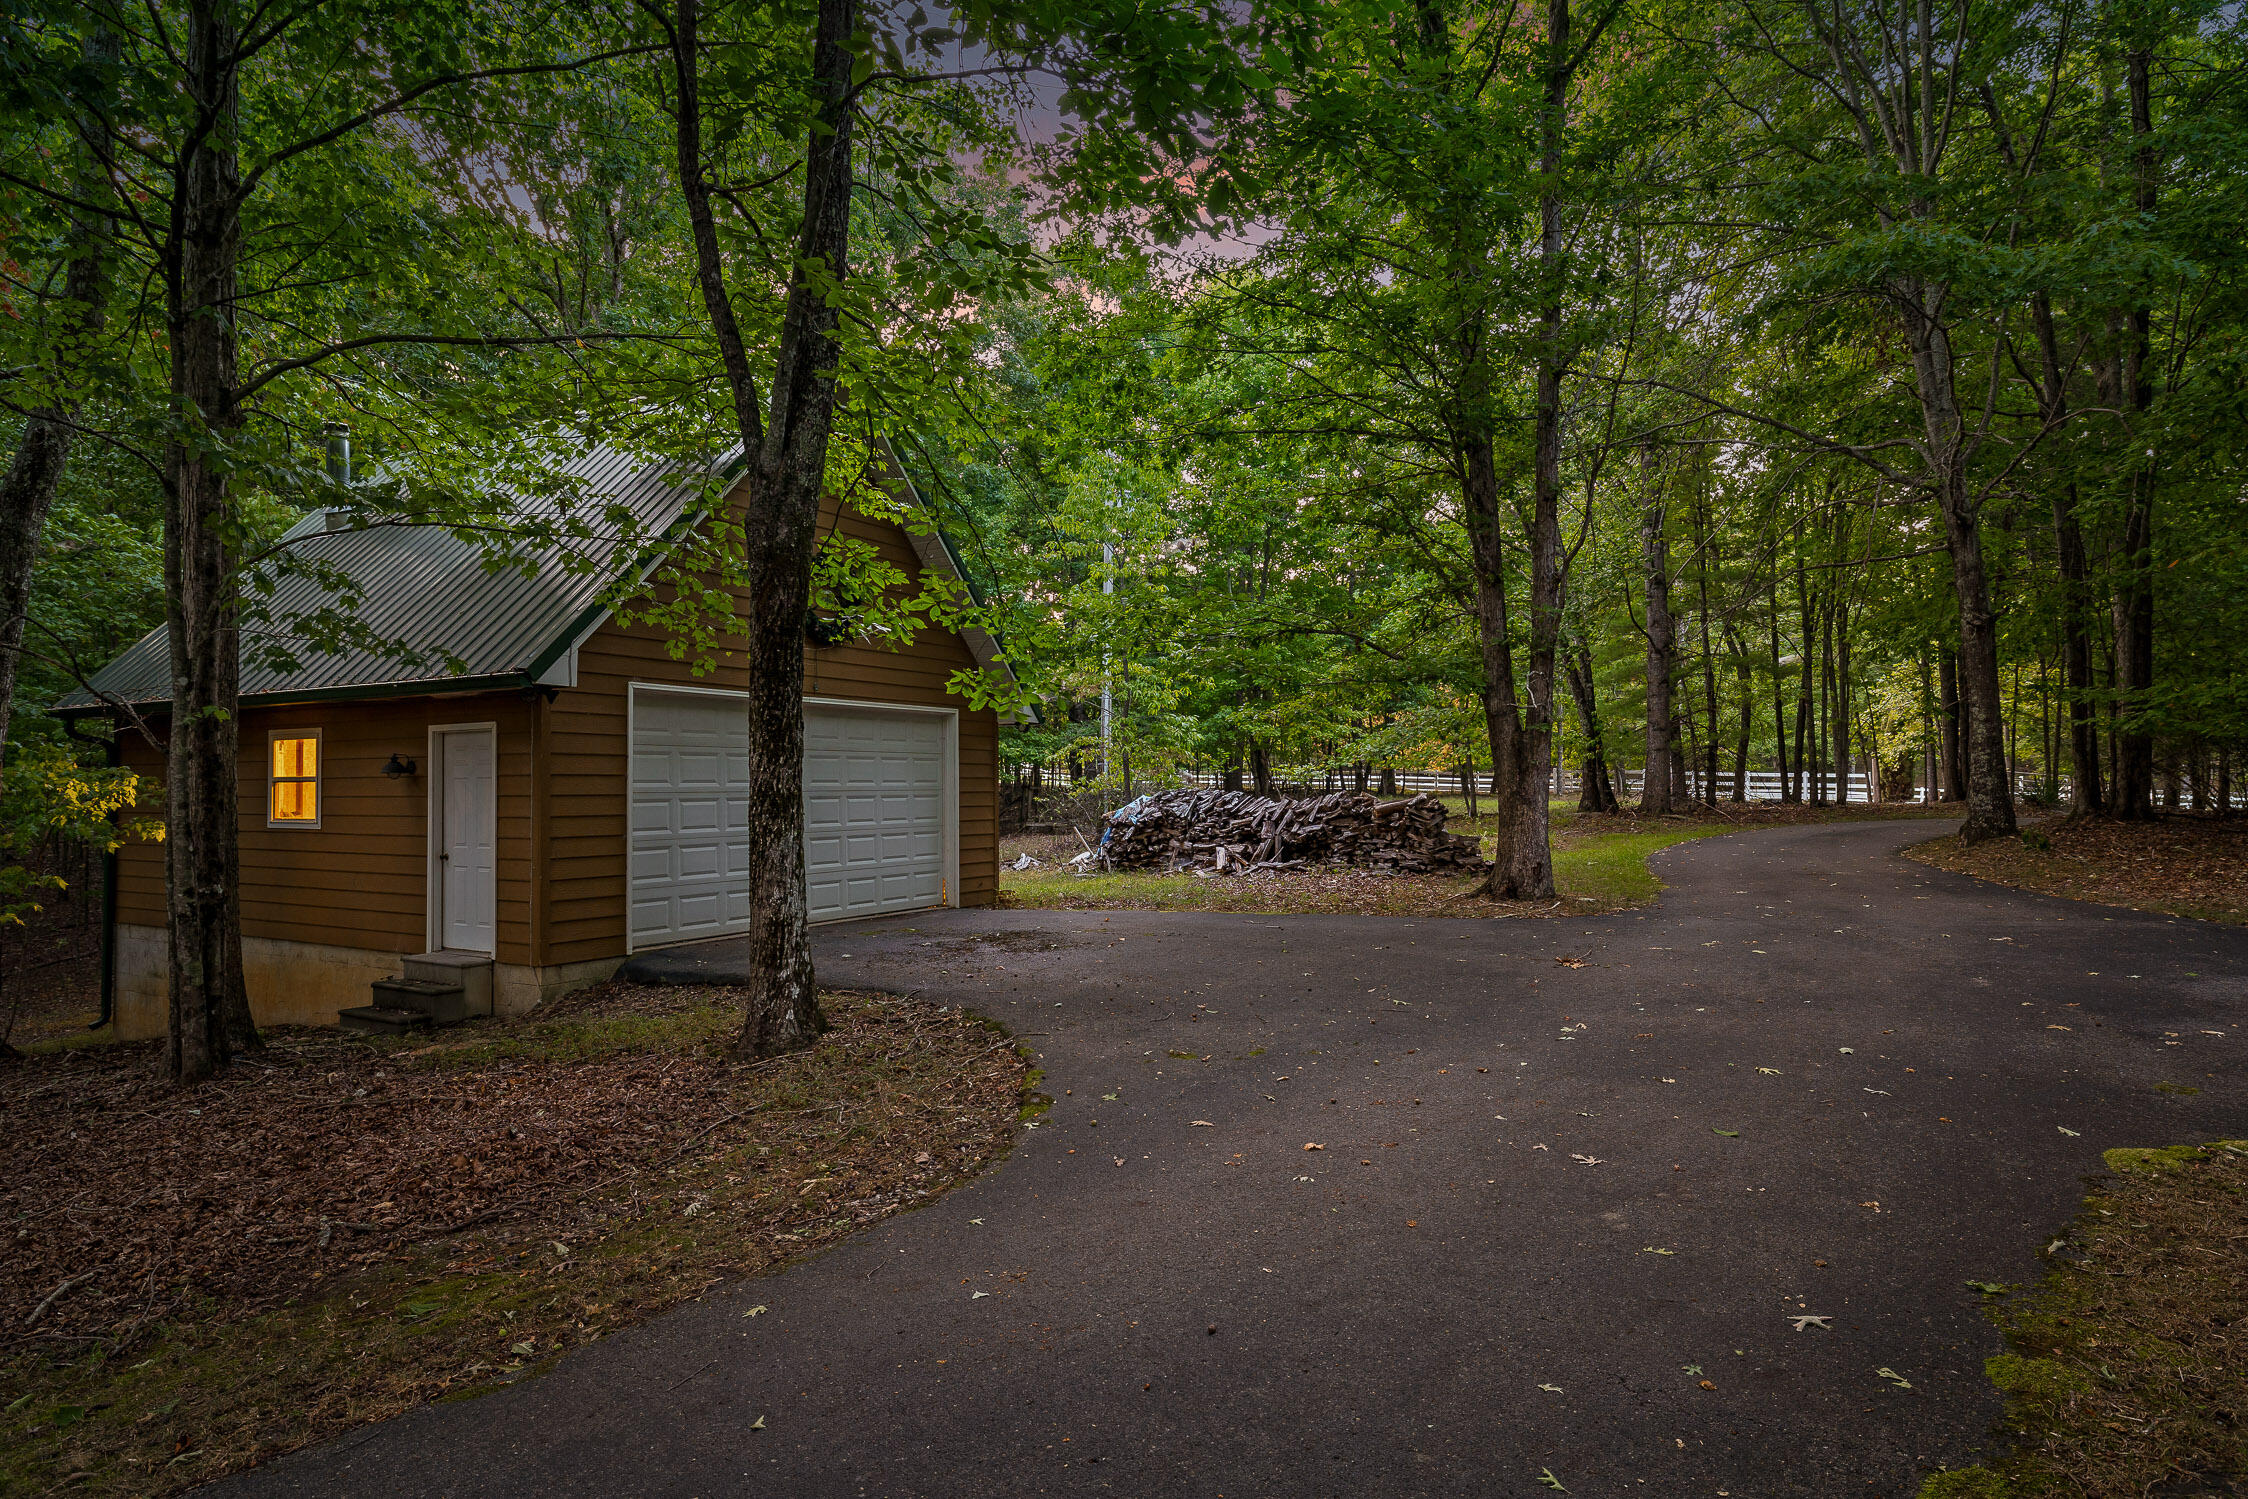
(77, 1040)
(538, 1184)
(1611, 868)
(2127, 1372)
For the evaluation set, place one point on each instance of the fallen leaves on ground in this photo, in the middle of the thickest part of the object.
(341, 1228)
(2182, 864)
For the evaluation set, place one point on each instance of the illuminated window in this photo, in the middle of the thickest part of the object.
(293, 779)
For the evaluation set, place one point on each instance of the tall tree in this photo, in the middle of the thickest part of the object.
(1885, 86)
(787, 459)
(1662, 638)
(1159, 65)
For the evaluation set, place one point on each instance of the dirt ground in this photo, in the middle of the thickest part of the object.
(53, 968)
(2182, 864)
(348, 1226)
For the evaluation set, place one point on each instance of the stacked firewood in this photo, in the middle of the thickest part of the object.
(1233, 832)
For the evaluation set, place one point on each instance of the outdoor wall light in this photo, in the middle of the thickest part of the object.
(396, 768)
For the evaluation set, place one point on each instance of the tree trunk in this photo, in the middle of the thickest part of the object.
(2076, 589)
(2134, 606)
(1680, 791)
(1947, 723)
(780, 519)
(1709, 661)
(1840, 710)
(1747, 684)
(1662, 642)
(1806, 743)
(1503, 717)
(1522, 732)
(27, 492)
(1387, 785)
(209, 1010)
(2069, 556)
(1990, 796)
(1927, 773)
(1597, 793)
(1779, 695)
(1260, 767)
(1821, 767)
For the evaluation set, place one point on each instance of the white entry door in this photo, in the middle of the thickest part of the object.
(465, 819)
(878, 816)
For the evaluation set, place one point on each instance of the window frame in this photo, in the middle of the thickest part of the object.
(319, 774)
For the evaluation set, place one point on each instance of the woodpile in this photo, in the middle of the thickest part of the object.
(1234, 832)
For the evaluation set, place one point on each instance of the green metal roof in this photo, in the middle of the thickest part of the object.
(432, 595)
(452, 622)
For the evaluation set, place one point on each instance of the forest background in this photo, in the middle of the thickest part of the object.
(1315, 391)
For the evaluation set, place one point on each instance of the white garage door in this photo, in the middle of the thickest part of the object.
(690, 814)
(874, 812)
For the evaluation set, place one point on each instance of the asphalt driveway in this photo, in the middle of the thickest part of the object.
(1678, 1202)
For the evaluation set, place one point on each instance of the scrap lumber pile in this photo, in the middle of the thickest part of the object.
(1234, 832)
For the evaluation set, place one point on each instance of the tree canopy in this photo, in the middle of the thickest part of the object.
(1681, 393)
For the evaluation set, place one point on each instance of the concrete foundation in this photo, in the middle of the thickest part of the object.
(310, 983)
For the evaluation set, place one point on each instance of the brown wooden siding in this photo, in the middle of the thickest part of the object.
(360, 879)
(588, 754)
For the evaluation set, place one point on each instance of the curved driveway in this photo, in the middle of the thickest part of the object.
(1570, 1170)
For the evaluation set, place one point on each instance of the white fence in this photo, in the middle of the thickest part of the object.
(1763, 785)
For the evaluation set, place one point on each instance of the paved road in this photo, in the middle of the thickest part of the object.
(1528, 1225)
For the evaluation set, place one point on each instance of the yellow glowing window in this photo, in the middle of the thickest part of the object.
(294, 780)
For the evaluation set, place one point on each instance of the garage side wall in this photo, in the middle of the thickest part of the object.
(588, 753)
(326, 910)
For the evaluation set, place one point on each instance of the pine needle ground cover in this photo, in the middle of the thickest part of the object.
(342, 1228)
(2127, 1373)
(2181, 866)
(1599, 865)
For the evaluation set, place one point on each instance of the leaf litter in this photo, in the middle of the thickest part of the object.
(349, 1227)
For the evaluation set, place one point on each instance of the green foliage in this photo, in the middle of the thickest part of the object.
(48, 799)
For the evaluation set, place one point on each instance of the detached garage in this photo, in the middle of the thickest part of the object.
(563, 792)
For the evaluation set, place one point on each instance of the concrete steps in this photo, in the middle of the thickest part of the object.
(377, 1020)
(437, 988)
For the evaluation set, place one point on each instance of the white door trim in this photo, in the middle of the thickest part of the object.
(951, 716)
(433, 886)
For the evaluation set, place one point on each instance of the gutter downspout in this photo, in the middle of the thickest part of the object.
(113, 757)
